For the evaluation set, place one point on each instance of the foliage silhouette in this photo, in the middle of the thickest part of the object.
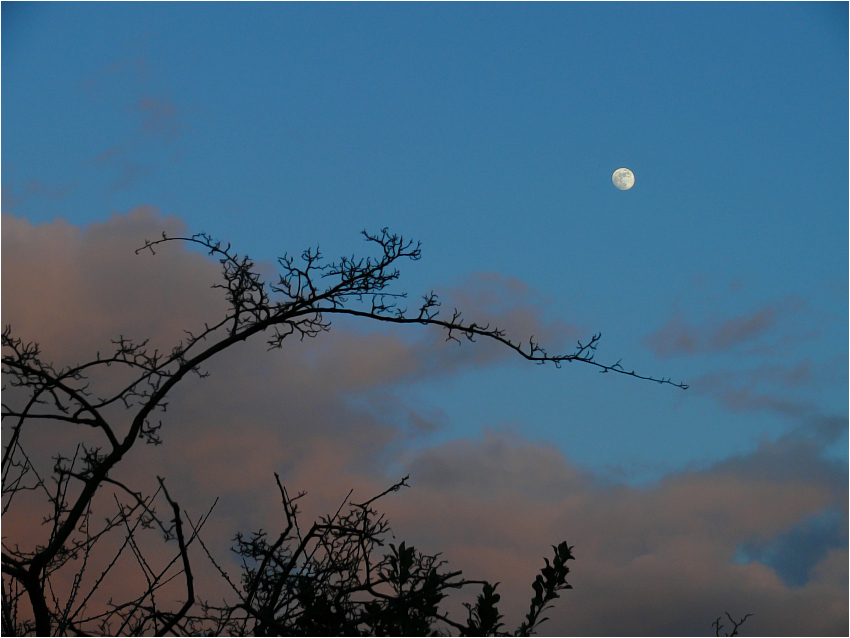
(331, 581)
(307, 293)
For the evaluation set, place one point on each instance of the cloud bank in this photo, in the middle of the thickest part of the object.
(764, 532)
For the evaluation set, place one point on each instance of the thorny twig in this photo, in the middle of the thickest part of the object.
(717, 626)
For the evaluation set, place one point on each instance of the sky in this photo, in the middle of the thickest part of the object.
(489, 132)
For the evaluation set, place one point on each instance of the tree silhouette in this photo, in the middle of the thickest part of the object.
(326, 585)
(718, 626)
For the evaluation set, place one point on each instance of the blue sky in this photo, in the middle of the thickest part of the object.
(489, 132)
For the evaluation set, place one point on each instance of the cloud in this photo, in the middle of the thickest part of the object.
(664, 559)
(136, 69)
(160, 118)
(497, 301)
(726, 388)
(778, 384)
(655, 561)
(16, 194)
(10, 200)
(128, 171)
(795, 552)
(678, 337)
(74, 290)
(49, 191)
(771, 388)
(512, 305)
(498, 464)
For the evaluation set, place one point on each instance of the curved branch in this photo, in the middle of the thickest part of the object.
(531, 355)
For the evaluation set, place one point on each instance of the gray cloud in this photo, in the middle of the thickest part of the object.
(14, 195)
(128, 172)
(795, 552)
(160, 118)
(678, 337)
(737, 396)
(135, 69)
(776, 385)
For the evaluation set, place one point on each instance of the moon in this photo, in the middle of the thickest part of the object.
(623, 179)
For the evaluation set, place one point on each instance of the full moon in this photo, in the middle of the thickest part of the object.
(623, 179)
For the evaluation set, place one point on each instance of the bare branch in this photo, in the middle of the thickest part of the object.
(336, 557)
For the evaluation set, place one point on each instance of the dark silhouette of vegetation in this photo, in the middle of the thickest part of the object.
(718, 626)
(327, 581)
(331, 581)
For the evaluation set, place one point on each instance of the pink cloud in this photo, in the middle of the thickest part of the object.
(657, 560)
(10, 199)
(648, 561)
(503, 302)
